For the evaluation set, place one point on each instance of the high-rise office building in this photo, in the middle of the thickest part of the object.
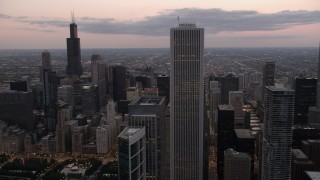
(215, 100)
(149, 112)
(268, 76)
(241, 81)
(77, 140)
(96, 60)
(46, 63)
(304, 132)
(314, 112)
(163, 85)
(230, 82)
(166, 146)
(119, 83)
(50, 89)
(311, 148)
(226, 135)
(236, 101)
(103, 134)
(215, 94)
(305, 97)
(89, 99)
(132, 154)
(277, 133)
(46, 60)
(132, 93)
(74, 67)
(107, 131)
(29, 145)
(300, 164)
(246, 79)
(187, 102)
(98, 76)
(237, 165)
(66, 93)
(69, 126)
(145, 80)
(16, 109)
(19, 85)
(63, 116)
(245, 142)
(48, 144)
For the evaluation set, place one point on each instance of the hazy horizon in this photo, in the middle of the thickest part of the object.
(101, 48)
(146, 24)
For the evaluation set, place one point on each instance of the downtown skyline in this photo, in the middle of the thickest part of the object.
(82, 106)
(143, 25)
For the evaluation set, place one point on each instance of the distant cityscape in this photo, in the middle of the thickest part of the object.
(183, 113)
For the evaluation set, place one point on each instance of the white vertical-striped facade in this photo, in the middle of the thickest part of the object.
(187, 103)
(277, 133)
(103, 139)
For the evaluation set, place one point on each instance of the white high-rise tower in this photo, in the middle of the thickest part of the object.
(186, 98)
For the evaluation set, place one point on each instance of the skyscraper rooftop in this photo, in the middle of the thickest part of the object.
(129, 132)
(187, 25)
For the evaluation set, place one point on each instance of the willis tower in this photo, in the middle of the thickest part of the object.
(74, 67)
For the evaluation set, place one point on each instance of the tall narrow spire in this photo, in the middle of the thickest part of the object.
(73, 19)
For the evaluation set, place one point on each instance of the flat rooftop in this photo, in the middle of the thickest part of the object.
(70, 122)
(235, 92)
(298, 154)
(235, 154)
(129, 132)
(187, 25)
(314, 175)
(225, 107)
(148, 100)
(243, 133)
(279, 87)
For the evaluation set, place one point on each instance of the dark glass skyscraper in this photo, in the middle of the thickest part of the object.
(228, 83)
(50, 89)
(268, 76)
(226, 135)
(19, 85)
(163, 84)
(74, 52)
(119, 83)
(16, 109)
(305, 96)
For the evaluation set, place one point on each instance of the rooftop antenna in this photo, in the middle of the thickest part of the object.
(73, 19)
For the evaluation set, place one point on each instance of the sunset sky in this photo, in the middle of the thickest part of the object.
(43, 24)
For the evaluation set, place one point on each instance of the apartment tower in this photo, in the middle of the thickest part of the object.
(277, 133)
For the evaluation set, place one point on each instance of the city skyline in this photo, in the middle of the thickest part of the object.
(187, 102)
(144, 25)
(55, 123)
